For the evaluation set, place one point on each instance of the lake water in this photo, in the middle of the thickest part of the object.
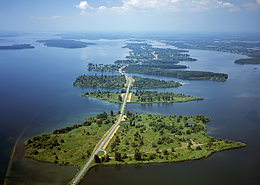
(37, 95)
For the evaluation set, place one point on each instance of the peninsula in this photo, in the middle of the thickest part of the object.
(62, 43)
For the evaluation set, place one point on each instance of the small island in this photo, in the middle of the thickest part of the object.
(17, 46)
(141, 97)
(62, 43)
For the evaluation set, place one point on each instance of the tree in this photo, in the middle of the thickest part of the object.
(118, 156)
(111, 113)
(138, 155)
(96, 158)
(165, 152)
(119, 98)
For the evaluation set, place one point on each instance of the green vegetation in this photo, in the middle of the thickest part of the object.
(103, 81)
(248, 61)
(145, 51)
(190, 75)
(160, 97)
(141, 138)
(150, 138)
(233, 44)
(147, 83)
(106, 95)
(65, 43)
(17, 46)
(142, 97)
(104, 68)
(71, 145)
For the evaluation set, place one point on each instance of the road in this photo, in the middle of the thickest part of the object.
(108, 135)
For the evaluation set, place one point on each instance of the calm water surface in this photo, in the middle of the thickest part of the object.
(37, 92)
(235, 112)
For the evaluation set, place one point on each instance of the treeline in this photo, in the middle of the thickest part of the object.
(147, 83)
(157, 97)
(190, 75)
(17, 46)
(103, 81)
(104, 68)
(248, 61)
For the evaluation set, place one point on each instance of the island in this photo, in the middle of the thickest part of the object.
(141, 97)
(17, 46)
(140, 138)
(118, 81)
(63, 43)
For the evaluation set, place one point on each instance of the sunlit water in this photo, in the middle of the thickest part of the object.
(36, 90)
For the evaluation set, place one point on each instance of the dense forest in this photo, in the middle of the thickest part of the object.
(160, 97)
(150, 83)
(103, 81)
(190, 75)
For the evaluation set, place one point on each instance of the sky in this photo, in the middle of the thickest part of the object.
(130, 15)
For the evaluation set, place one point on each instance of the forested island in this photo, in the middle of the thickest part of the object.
(190, 75)
(141, 96)
(17, 46)
(118, 81)
(103, 81)
(243, 61)
(141, 138)
(62, 43)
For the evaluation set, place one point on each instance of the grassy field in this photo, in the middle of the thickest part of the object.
(141, 138)
(70, 145)
(157, 138)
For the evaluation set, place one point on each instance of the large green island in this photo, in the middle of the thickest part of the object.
(141, 138)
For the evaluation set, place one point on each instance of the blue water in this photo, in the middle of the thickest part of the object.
(36, 91)
(235, 112)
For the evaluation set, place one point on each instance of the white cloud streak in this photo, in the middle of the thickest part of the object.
(160, 5)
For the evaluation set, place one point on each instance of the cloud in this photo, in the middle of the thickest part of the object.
(161, 5)
(203, 5)
(45, 18)
(252, 5)
(83, 6)
(55, 17)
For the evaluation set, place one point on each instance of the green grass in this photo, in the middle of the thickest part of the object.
(145, 126)
(74, 149)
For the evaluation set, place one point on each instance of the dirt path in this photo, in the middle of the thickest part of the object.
(112, 135)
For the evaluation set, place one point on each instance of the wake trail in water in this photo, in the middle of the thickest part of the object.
(16, 143)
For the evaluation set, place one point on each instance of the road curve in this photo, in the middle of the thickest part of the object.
(108, 135)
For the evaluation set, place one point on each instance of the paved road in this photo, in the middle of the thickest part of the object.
(106, 138)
